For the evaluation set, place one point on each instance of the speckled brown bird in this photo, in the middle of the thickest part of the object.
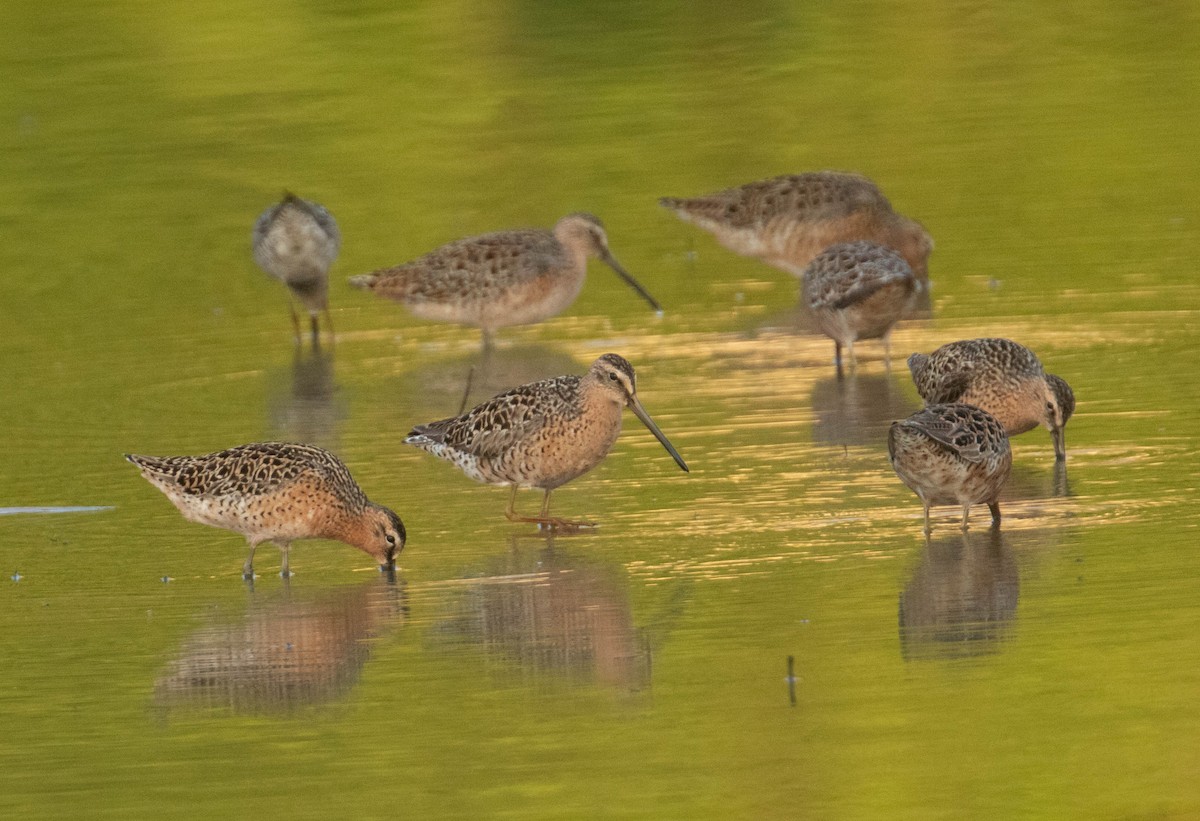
(295, 241)
(276, 492)
(952, 454)
(543, 434)
(786, 221)
(503, 278)
(1004, 378)
(858, 290)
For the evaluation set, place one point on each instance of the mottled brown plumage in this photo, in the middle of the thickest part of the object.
(276, 492)
(295, 241)
(1001, 376)
(786, 221)
(952, 454)
(500, 279)
(543, 434)
(858, 290)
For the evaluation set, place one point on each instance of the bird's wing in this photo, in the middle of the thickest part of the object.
(479, 267)
(957, 427)
(493, 427)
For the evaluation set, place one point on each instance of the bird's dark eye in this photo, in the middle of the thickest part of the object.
(612, 376)
(390, 539)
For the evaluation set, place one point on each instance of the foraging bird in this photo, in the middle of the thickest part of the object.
(503, 278)
(1004, 378)
(857, 290)
(296, 241)
(543, 434)
(952, 454)
(276, 492)
(786, 221)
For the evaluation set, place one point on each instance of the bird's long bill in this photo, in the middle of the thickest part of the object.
(640, 412)
(611, 262)
(1059, 435)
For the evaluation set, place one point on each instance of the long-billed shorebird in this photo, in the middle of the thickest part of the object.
(542, 435)
(276, 492)
(952, 454)
(1004, 378)
(786, 221)
(296, 241)
(500, 279)
(857, 290)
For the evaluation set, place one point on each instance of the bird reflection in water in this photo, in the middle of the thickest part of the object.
(556, 617)
(289, 651)
(858, 409)
(962, 598)
(302, 402)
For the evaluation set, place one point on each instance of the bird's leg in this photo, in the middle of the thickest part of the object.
(295, 321)
(285, 548)
(853, 359)
(966, 515)
(554, 523)
(248, 567)
(316, 331)
(887, 352)
(837, 357)
(328, 324)
(995, 508)
(511, 512)
(544, 519)
(462, 406)
(928, 529)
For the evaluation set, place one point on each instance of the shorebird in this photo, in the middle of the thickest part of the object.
(857, 290)
(276, 492)
(543, 434)
(786, 221)
(1004, 378)
(500, 279)
(296, 241)
(952, 454)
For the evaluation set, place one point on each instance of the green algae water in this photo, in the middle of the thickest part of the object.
(639, 670)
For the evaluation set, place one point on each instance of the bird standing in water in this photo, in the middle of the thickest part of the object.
(543, 434)
(786, 221)
(858, 290)
(952, 454)
(296, 241)
(276, 492)
(500, 279)
(1004, 378)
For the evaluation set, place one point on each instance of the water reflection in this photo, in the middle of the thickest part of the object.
(556, 617)
(858, 409)
(962, 597)
(301, 403)
(1035, 482)
(481, 375)
(289, 651)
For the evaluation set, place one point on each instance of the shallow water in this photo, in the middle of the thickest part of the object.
(639, 670)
